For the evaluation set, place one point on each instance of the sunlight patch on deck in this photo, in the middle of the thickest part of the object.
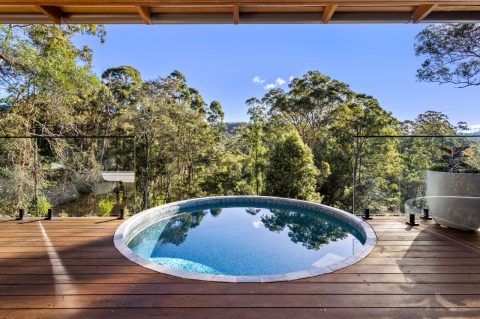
(61, 276)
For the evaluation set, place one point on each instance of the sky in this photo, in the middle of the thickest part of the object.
(231, 63)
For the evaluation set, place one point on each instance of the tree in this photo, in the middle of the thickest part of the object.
(452, 54)
(308, 104)
(290, 170)
(254, 137)
(125, 84)
(216, 115)
(327, 113)
(432, 123)
(418, 154)
(45, 81)
(349, 155)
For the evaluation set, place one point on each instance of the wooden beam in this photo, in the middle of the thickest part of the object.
(145, 14)
(236, 13)
(328, 12)
(422, 11)
(53, 13)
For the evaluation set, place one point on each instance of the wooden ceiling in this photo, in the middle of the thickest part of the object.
(238, 11)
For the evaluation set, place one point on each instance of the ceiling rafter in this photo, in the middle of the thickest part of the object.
(53, 13)
(328, 12)
(236, 13)
(422, 11)
(229, 11)
(145, 14)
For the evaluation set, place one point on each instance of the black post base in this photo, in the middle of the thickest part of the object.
(411, 220)
(425, 214)
(122, 214)
(49, 214)
(426, 218)
(408, 223)
(366, 215)
(21, 214)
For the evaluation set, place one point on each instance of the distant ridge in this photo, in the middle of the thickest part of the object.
(233, 126)
(477, 133)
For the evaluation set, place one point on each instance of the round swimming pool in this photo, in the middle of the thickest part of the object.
(244, 238)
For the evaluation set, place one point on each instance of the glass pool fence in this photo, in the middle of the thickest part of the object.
(395, 175)
(72, 176)
(98, 176)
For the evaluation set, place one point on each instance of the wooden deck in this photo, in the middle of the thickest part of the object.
(70, 269)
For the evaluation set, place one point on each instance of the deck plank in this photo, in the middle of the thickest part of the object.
(413, 271)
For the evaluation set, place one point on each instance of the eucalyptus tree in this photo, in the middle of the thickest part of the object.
(179, 142)
(350, 156)
(452, 54)
(215, 115)
(290, 171)
(420, 152)
(46, 81)
(308, 104)
(45, 76)
(328, 114)
(254, 137)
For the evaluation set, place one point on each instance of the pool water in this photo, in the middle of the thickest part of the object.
(247, 241)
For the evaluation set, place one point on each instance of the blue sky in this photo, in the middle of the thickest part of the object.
(222, 61)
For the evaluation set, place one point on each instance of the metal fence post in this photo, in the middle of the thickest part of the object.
(49, 214)
(411, 220)
(426, 214)
(21, 214)
(366, 215)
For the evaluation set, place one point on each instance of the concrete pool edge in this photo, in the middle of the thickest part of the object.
(135, 224)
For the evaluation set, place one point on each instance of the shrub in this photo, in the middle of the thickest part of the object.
(454, 160)
(105, 207)
(43, 205)
(290, 170)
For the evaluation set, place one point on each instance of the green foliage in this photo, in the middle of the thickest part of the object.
(297, 143)
(455, 160)
(451, 54)
(105, 207)
(311, 231)
(124, 83)
(43, 205)
(290, 170)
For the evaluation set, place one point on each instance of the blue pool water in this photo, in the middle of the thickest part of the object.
(244, 241)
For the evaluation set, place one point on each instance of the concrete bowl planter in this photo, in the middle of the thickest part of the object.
(454, 199)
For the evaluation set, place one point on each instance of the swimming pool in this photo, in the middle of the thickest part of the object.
(244, 238)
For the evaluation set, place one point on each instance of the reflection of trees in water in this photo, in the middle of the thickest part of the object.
(215, 212)
(253, 211)
(177, 228)
(313, 232)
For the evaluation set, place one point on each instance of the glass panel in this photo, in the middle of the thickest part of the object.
(86, 176)
(17, 176)
(391, 173)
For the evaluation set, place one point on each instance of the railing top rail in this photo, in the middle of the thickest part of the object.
(64, 136)
(414, 136)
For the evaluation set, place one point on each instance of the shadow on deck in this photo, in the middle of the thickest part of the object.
(70, 269)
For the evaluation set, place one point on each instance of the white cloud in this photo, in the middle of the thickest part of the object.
(257, 224)
(290, 79)
(270, 86)
(258, 79)
(280, 81)
(474, 128)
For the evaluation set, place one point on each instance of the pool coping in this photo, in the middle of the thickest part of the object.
(125, 232)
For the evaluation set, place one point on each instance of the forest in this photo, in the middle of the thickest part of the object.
(306, 142)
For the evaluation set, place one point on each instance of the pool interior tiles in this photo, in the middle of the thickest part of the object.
(140, 223)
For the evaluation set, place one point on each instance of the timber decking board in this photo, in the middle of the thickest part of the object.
(412, 272)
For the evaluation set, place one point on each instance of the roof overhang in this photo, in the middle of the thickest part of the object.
(239, 11)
